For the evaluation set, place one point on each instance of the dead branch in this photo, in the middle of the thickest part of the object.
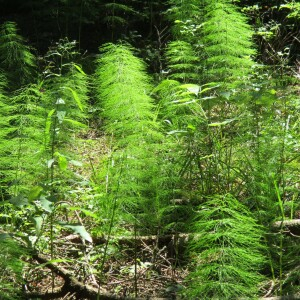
(291, 297)
(71, 285)
(293, 226)
(74, 286)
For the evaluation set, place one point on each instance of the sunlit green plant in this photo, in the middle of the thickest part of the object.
(11, 267)
(182, 61)
(226, 251)
(186, 18)
(16, 59)
(226, 39)
(128, 111)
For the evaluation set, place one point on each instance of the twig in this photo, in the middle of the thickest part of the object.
(71, 285)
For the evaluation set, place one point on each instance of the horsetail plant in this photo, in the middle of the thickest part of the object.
(128, 111)
(226, 251)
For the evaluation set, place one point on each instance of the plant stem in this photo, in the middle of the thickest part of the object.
(109, 232)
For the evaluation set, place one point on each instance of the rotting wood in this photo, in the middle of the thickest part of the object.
(161, 239)
(293, 226)
(71, 285)
(74, 286)
(290, 297)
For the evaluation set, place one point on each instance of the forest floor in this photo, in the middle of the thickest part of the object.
(146, 268)
(68, 267)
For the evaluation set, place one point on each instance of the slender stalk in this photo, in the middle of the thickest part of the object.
(18, 166)
(114, 208)
(280, 238)
(281, 260)
(135, 261)
(53, 141)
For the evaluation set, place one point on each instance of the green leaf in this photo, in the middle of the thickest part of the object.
(46, 205)
(266, 99)
(192, 88)
(185, 100)
(48, 122)
(191, 127)
(34, 193)
(208, 89)
(88, 213)
(79, 229)
(79, 69)
(60, 116)
(216, 124)
(60, 101)
(52, 261)
(279, 200)
(226, 95)
(76, 163)
(61, 161)
(4, 236)
(75, 123)
(176, 131)
(19, 200)
(76, 98)
(38, 223)
(50, 163)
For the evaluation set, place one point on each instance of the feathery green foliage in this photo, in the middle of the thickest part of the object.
(22, 139)
(11, 267)
(182, 62)
(16, 60)
(186, 15)
(37, 164)
(5, 111)
(221, 131)
(226, 39)
(65, 88)
(3, 82)
(118, 15)
(271, 172)
(227, 251)
(27, 135)
(116, 12)
(123, 91)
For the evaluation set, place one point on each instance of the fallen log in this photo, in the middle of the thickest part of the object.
(160, 239)
(292, 226)
(74, 287)
(291, 297)
(71, 285)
